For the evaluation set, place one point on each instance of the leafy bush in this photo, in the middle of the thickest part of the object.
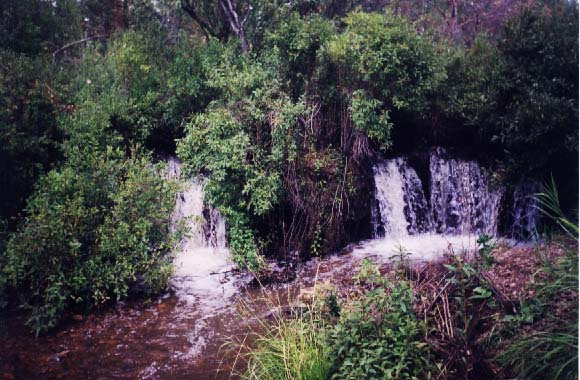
(243, 142)
(387, 66)
(520, 95)
(296, 41)
(537, 113)
(380, 337)
(92, 233)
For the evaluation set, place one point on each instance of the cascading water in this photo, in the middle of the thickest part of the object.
(183, 337)
(461, 206)
(202, 260)
(462, 201)
(389, 214)
(400, 204)
(522, 212)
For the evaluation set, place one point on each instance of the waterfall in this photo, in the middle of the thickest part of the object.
(400, 204)
(522, 212)
(389, 195)
(206, 227)
(461, 200)
(202, 260)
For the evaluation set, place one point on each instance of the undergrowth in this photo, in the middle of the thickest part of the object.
(550, 349)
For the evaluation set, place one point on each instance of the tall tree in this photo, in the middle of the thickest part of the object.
(219, 19)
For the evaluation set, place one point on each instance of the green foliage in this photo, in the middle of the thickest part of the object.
(280, 134)
(368, 117)
(385, 56)
(29, 136)
(92, 232)
(521, 93)
(537, 121)
(550, 350)
(34, 27)
(475, 75)
(485, 247)
(242, 143)
(385, 66)
(470, 292)
(116, 95)
(297, 41)
(379, 337)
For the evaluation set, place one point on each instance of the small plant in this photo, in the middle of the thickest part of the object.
(378, 336)
(485, 247)
(369, 274)
(401, 259)
(316, 246)
(286, 347)
(292, 349)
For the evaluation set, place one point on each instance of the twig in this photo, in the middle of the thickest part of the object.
(76, 43)
(224, 272)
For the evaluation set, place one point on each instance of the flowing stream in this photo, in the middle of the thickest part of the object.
(182, 335)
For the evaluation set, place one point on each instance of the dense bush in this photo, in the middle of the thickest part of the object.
(520, 93)
(296, 43)
(92, 232)
(382, 66)
(97, 226)
(243, 142)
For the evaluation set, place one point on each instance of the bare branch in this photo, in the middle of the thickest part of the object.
(205, 28)
(54, 54)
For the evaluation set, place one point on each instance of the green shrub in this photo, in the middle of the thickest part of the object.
(296, 41)
(242, 142)
(383, 65)
(379, 337)
(520, 94)
(29, 137)
(92, 233)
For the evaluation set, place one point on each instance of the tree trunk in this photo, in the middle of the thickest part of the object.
(453, 21)
(235, 23)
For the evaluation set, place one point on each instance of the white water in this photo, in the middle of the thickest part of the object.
(462, 200)
(202, 261)
(389, 194)
(417, 247)
(400, 207)
(462, 205)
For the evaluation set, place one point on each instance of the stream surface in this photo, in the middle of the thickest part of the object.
(180, 335)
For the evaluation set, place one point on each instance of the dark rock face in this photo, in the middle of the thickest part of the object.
(520, 214)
